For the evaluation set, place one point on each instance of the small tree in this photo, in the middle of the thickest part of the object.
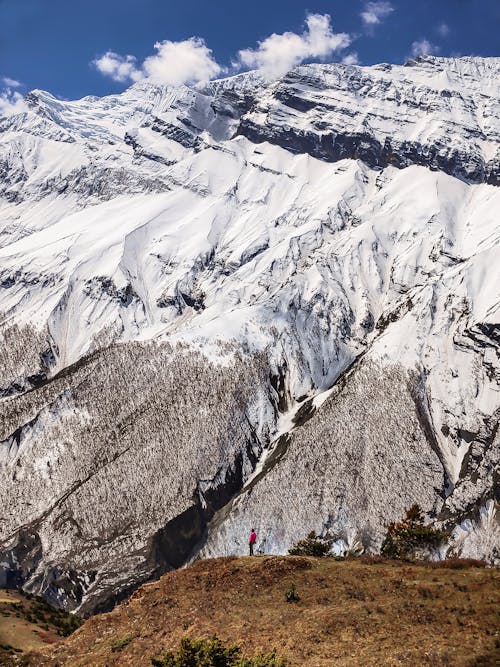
(313, 545)
(409, 536)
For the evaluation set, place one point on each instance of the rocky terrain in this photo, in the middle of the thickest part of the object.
(248, 304)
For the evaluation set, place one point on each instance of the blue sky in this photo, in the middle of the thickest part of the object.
(57, 45)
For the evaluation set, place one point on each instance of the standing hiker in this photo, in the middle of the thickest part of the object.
(251, 541)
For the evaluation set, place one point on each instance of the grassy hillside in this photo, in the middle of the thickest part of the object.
(350, 613)
(28, 623)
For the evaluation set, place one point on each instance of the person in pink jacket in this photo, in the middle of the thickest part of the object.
(251, 541)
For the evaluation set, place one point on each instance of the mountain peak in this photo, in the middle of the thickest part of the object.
(251, 304)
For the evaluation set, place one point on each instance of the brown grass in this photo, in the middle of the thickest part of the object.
(17, 633)
(350, 614)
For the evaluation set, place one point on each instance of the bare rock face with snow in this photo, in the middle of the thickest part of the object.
(252, 304)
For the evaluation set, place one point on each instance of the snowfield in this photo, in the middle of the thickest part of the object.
(247, 305)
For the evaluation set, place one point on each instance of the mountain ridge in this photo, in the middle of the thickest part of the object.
(198, 319)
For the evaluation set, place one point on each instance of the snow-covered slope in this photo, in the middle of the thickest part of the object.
(247, 305)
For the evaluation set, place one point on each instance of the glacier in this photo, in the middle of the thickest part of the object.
(247, 304)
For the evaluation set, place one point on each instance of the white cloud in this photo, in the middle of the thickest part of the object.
(443, 29)
(117, 67)
(191, 61)
(178, 63)
(351, 59)
(11, 101)
(175, 64)
(423, 47)
(11, 83)
(277, 54)
(375, 12)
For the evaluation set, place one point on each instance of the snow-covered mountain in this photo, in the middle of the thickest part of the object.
(270, 305)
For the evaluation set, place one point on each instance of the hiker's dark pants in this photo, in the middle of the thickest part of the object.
(250, 547)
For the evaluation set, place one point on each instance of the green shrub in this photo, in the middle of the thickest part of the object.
(68, 624)
(291, 594)
(120, 644)
(213, 653)
(405, 538)
(313, 545)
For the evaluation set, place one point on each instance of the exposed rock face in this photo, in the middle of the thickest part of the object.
(269, 305)
(367, 432)
(335, 113)
(112, 449)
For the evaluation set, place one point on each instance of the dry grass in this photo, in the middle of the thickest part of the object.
(26, 623)
(350, 613)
